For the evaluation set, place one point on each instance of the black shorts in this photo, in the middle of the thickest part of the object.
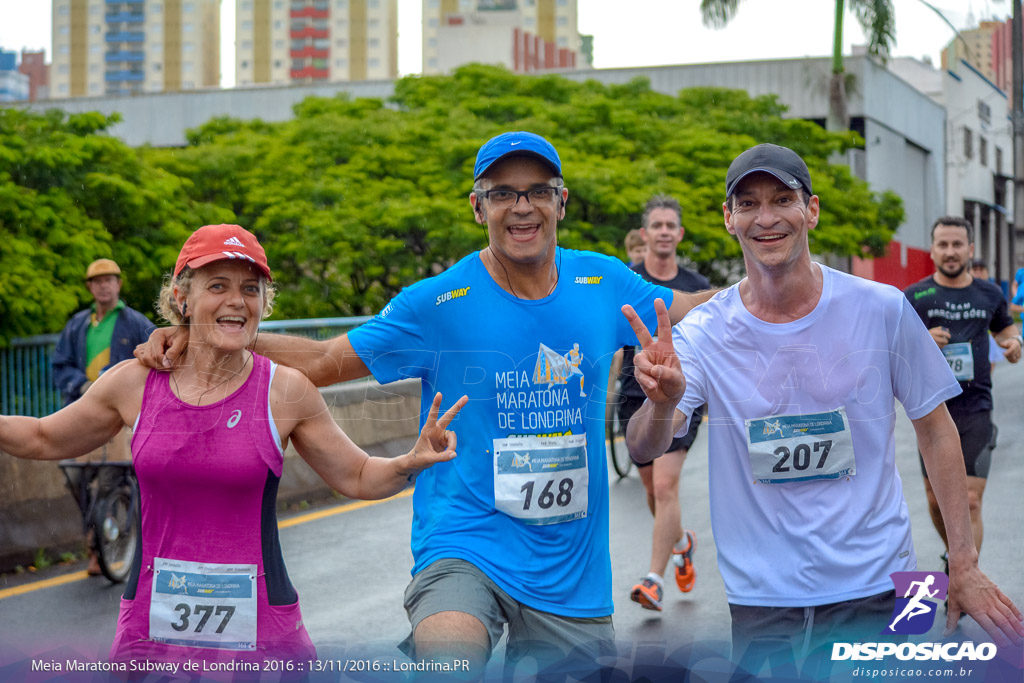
(975, 431)
(631, 404)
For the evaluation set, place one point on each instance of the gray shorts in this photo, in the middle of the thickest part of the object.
(764, 633)
(459, 586)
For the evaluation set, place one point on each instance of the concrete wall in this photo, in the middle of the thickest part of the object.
(485, 37)
(161, 119)
(37, 511)
(904, 137)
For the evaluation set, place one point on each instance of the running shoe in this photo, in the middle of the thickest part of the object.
(648, 594)
(682, 558)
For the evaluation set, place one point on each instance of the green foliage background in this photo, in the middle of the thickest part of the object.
(70, 194)
(354, 199)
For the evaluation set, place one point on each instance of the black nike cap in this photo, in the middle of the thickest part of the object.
(781, 162)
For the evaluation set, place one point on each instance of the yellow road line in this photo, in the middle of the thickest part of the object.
(294, 521)
(330, 512)
(45, 583)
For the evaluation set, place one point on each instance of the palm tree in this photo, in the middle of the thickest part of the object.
(876, 17)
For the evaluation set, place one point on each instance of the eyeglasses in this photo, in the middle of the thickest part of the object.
(545, 196)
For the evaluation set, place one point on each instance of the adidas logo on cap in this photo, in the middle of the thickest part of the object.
(234, 242)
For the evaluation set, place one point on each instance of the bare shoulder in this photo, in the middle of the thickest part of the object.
(120, 388)
(126, 378)
(129, 370)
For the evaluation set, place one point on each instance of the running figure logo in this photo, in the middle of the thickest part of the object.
(921, 592)
(573, 358)
(521, 460)
(178, 583)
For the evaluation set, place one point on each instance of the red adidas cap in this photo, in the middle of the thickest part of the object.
(221, 243)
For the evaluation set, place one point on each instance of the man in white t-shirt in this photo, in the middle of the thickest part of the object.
(800, 366)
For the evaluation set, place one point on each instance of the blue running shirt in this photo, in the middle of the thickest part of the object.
(526, 500)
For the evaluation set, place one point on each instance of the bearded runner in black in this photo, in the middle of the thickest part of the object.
(959, 311)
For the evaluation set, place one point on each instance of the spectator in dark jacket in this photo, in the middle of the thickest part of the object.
(93, 340)
(98, 337)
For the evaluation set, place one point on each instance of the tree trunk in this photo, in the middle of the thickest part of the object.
(837, 119)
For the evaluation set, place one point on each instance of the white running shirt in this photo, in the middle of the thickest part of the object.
(809, 406)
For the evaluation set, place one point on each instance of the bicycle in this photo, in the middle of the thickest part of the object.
(107, 493)
(621, 462)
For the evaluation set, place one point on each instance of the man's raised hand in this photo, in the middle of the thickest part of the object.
(656, 367)
(163, 348)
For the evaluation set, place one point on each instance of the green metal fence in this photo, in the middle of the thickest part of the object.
(26, 379)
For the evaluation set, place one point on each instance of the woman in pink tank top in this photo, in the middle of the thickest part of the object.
(208, 580)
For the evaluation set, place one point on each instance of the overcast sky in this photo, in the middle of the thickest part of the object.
(636, 33)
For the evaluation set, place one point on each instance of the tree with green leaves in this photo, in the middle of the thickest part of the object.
(876, 17)
(355, 199)
(70, 194)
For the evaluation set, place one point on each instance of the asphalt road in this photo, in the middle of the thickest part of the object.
(350, 564)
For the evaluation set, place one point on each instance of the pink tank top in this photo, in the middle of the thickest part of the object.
(208, 580)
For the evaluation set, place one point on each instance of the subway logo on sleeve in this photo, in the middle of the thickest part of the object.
(451, 294)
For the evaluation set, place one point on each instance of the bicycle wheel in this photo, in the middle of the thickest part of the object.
(115, 520)
(621, 461)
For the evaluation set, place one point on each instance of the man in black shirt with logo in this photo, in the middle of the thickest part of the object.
(959, 310)
(663, 231)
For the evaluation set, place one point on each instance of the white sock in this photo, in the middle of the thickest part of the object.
(681, 545)
(656, 578)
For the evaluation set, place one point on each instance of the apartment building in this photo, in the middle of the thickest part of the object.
(33, 64)
(988, 48)
(975, 47)
(524, 35)
(126, 47)
(282, 41)
(14, 85)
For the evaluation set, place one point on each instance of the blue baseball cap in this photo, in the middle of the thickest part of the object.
(517, 143)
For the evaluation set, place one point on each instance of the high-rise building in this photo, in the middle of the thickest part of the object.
(124, 47)
(1002, 57)
(281, 41)
(524, 35)
(974, 46)
(33, 65)
(989, 49)
(13, 83)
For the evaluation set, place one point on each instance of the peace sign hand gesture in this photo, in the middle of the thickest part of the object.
(656, 367)
(436, 442)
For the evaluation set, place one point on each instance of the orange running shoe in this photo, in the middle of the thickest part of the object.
(648, 594)
(682, 558)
